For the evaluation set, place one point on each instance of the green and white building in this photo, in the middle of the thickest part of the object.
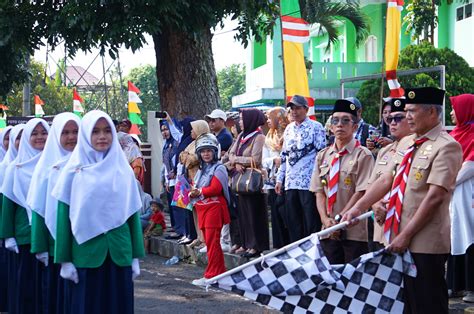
(264, 76)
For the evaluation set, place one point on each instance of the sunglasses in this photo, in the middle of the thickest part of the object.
(343, 121)
(396, 119)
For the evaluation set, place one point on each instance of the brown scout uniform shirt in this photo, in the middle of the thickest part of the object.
(382, 165)
(437, 161)
(354, 171)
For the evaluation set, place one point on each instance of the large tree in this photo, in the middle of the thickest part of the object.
(181, 32)
(231, 82)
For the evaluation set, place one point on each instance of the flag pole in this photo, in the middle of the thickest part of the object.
(283, 57)
(321, 233)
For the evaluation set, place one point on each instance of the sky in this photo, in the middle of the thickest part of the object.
(225, 49)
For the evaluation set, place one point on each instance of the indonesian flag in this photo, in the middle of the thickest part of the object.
(133, 110)
(294, 29)
(392, 46)
(295, 32)
(77, 103)
(39, 107)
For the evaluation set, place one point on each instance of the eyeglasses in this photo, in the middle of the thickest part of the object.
(343, 121)
(396, 119)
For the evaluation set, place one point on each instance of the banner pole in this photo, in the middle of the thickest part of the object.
(287, 247)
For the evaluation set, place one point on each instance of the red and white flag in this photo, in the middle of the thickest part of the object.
(295, 29)
(39, 103)
(77, 102)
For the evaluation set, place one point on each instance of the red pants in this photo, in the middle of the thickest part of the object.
(215, 257)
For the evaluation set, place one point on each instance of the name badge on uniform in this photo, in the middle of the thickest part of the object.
(429, 147)
(423, 157)
(351, 162)
(383, 163)
(324, 164)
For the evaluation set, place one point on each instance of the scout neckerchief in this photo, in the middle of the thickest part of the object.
(397, 192)
(334, 177)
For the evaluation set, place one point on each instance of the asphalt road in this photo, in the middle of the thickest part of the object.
(168, 289)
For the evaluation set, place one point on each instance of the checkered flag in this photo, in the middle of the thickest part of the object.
(301, 280)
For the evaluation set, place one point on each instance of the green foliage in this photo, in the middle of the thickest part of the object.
(421, 19)
(459, 76)
(56, 99)
(231, 82)
(369, 96)
(329, 13)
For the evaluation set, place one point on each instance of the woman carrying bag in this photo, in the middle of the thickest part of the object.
(246, 152)
(99, 236)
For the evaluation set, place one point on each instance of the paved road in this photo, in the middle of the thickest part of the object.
(168, 289)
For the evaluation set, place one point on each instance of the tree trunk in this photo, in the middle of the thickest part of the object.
(187, 81)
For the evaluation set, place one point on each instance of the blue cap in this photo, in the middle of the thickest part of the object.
(355, 101)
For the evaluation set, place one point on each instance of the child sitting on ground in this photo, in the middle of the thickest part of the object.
(156, 225)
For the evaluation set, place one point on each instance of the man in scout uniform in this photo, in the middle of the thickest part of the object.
(339, 180)
(399, 128)
(420, 191)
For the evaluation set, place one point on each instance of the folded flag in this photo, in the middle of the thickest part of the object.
(301, 280)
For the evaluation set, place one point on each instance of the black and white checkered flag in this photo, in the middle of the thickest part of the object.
(301, 280)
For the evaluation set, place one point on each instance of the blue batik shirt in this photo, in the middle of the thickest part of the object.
(301, 144)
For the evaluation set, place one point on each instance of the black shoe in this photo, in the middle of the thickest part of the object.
(251, 255)
(173, 237)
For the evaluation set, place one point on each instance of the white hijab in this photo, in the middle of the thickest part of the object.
(12, 152)
(52, 153)
(100, 188)
(3, 149)
(20, 170)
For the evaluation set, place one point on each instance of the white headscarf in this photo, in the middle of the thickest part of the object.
(12, 152)
(19, 172)
(52, 153)
(3, 149)
(99, 187)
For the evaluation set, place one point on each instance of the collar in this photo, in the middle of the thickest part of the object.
(433, 133)
(305, 121)
(349, 146)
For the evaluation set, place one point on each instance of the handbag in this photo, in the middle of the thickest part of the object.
(181, 194)
(249, 182)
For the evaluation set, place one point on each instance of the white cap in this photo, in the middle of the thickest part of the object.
(217, 114)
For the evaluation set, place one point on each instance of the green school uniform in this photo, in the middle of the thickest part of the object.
(122, 243)
(41, 239)
(15, 223)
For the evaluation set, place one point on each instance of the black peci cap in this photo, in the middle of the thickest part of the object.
(344, 105)
(425, 96)
(396, 104)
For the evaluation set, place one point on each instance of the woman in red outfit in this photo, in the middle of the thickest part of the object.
(211, 195)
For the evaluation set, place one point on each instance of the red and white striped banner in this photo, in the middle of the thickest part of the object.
(295, 29)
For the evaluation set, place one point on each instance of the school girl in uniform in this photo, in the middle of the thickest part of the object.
(16, 216)
(4, 141)
(59, 145)
(98, 234)
(10, 257)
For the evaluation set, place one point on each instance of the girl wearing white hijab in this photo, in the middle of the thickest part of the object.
(4, 145)
(61, 141)
(99, 237)
(16, 215)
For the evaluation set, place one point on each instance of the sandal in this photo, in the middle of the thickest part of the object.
(234, 248)
(195, 243)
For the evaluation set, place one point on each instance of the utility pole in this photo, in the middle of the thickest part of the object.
(105, 87)
(26, 91)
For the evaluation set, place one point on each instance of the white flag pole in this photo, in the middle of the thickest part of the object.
(322, 233)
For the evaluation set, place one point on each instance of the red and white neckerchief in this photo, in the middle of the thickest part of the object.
(334, 177)
(394, 214)
(244, 139)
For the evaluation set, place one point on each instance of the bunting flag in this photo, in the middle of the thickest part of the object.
(77, 101)
(3, 117)
(133, 110)
(392, 46)
(295, 32)
(301, 280)
(39, 107)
